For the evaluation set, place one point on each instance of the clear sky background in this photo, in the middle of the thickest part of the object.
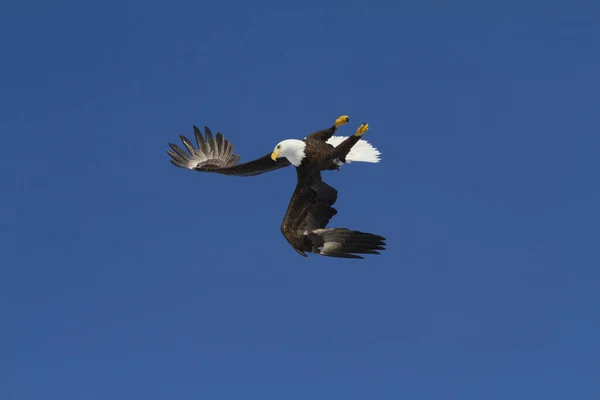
(123, 277)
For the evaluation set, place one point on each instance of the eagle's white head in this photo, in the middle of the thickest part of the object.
(292, 149)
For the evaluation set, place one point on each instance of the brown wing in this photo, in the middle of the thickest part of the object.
(309, 212)
(322, 136)
(215, 154)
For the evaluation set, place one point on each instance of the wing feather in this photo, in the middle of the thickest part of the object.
(202, 146)
(214, 153)
(210, 142)
(188, 145)
(220, 145)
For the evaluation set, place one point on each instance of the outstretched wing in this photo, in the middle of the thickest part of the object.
(309, 212)
(215, 154)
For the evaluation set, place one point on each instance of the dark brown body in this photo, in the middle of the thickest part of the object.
(311, 205)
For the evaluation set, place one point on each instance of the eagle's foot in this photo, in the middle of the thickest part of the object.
(341, 120)
(361, 130)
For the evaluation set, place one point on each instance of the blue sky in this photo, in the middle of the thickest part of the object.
(124, 277)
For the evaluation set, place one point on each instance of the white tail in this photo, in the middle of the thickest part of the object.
(362, 151)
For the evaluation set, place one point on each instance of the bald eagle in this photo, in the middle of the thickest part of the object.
(311, 205)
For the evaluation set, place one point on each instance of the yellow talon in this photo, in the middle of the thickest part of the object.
(362, 129)
(342, 120)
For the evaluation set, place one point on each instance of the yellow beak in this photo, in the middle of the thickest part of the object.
(275, 154)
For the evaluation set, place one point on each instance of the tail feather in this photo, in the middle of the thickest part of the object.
(362, 151)
(345, 243)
